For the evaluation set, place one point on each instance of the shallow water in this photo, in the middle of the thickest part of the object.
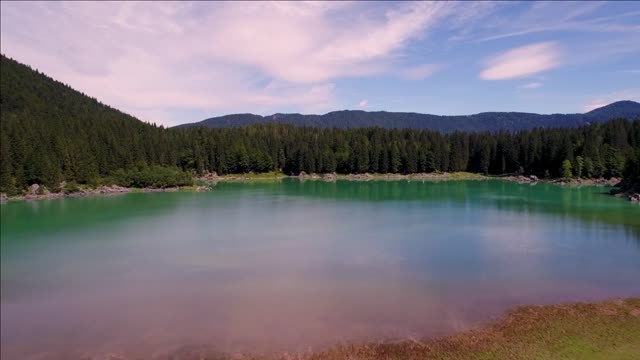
(291, 265)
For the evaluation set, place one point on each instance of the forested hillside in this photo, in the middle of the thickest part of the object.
(50, 133)
(489, 121)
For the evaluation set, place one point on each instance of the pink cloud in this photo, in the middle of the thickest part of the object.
(522, 61)
(152, 58)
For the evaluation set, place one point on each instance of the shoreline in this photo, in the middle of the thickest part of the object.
(608, 329)
(584, 330)
(444, 176)
(100, 190)
(210, 180)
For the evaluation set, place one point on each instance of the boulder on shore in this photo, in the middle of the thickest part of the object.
(303, 175)
(329, 177)
(33, 189)
(527, 179)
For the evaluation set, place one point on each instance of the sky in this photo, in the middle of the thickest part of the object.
(179, 62)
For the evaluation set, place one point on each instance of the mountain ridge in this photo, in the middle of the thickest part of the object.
(485, 121)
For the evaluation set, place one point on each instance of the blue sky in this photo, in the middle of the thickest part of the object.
(171, 63)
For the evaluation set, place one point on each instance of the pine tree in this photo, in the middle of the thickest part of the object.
(566, 169)
(579, 166)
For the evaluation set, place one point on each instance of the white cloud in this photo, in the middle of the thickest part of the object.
(363, 103)
(419, 72)
(606, 99)
(522, 61)
(556, 16)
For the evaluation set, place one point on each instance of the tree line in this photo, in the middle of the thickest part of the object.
(51, 133)
(47, 152)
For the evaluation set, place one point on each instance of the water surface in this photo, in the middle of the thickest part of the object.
(291, 265)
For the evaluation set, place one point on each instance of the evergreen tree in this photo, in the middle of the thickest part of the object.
(579, 166)
(566, 169)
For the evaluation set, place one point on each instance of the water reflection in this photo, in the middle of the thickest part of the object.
(587, 203)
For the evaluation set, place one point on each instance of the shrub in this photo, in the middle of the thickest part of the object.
(154, 176)
(71, 187)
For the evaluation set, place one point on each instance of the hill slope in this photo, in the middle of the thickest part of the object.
(488, 121)
(51, 132)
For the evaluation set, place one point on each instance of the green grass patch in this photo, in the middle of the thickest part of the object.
(255, 176)
(465, 175)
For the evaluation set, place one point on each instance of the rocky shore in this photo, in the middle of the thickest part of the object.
(214, 177)
(568, 182)
(522, 179)
(367, 176)
(37, 192)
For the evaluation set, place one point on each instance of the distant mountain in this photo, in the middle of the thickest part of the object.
(488, 121)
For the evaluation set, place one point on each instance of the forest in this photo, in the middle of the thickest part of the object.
(51, 133)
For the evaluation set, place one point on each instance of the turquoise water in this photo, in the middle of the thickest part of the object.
(291, 265)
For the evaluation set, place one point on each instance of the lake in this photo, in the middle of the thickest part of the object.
(300, 265)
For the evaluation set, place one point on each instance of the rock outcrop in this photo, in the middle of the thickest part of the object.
(304, 176)
(33, 189)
